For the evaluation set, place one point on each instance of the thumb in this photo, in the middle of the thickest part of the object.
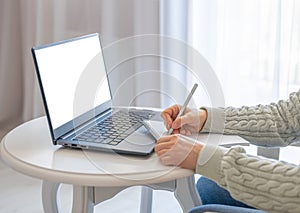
(181, 121)
(178, 123)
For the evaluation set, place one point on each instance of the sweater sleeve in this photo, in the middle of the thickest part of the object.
(273, 186)
(264, 125)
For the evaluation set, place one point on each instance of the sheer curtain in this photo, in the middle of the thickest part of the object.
(173, 34)
(252, 45)
(24, 24)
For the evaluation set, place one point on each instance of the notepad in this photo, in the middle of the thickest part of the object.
(158, 129)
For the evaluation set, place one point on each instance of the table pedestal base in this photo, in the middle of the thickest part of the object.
(86, 197)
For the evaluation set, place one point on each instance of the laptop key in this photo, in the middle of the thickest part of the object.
(113, 130)
(107, 140)
(114, 143)
(99, 140)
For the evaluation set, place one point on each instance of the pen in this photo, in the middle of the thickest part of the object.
(184, 105)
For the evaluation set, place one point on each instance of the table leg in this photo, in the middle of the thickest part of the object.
(50, 197)
(184, 190)
(83, 199)
(186, 193)
(146, 200)
(84, 196)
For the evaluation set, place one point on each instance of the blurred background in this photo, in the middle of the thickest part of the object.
(252, 47)
(241, 52)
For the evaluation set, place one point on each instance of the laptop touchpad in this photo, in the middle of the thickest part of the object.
(140, 137)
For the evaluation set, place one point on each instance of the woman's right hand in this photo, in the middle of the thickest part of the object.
(192, 120)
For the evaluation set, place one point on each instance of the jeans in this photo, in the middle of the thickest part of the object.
(216, 199)
(223, 209)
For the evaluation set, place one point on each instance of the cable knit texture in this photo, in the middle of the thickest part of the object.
(270, 125)
(265, 184)
(273, 186)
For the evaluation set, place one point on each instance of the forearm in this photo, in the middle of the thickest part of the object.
(270, 125)
(268, 185)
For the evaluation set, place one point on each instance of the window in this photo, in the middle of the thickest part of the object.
(253, 46)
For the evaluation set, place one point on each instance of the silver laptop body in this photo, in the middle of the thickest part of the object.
(78, 102)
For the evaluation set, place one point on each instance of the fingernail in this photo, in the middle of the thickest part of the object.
(169, 125)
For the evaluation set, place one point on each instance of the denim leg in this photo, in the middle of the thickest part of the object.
(223, 209)
(212, 193)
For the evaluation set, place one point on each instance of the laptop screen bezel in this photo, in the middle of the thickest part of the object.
(81, 119)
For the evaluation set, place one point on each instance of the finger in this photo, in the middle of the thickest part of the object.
(164, 139)
(166, 160)
(169, 160)
(163, 146)
(167, 118)
(176, 131)
(188, 133)
(175, 108)
(182, 131)
(162, 153)
(185, 131)
(181, 121)
(166, 142)
(172, 111)
(177, 123)
(169, 115)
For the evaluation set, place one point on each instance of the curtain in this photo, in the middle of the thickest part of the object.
(10, 75)
(252, 45)
(182, 65)
(26, 24)
(174, 48)
(252, 48)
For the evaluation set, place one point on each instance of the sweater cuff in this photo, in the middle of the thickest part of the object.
(215, 121)
(209, 162)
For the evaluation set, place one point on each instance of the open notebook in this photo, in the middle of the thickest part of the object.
(157, 129)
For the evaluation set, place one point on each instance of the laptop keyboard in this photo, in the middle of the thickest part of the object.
(115, 128)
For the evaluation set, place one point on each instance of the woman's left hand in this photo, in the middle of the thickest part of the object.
(178, 150)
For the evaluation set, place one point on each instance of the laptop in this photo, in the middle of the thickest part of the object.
(78, 103)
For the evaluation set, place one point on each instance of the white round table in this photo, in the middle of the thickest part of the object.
(96, 176)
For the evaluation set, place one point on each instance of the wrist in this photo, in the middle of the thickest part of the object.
(202, 118)
(195, 154)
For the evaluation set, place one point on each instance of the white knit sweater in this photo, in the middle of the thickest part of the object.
(269, 185)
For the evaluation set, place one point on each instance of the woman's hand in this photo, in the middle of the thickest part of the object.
(190, 122)
(178, 150)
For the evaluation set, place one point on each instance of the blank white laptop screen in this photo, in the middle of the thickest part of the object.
(74, 77)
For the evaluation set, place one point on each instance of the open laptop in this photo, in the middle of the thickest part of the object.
(78, 102)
